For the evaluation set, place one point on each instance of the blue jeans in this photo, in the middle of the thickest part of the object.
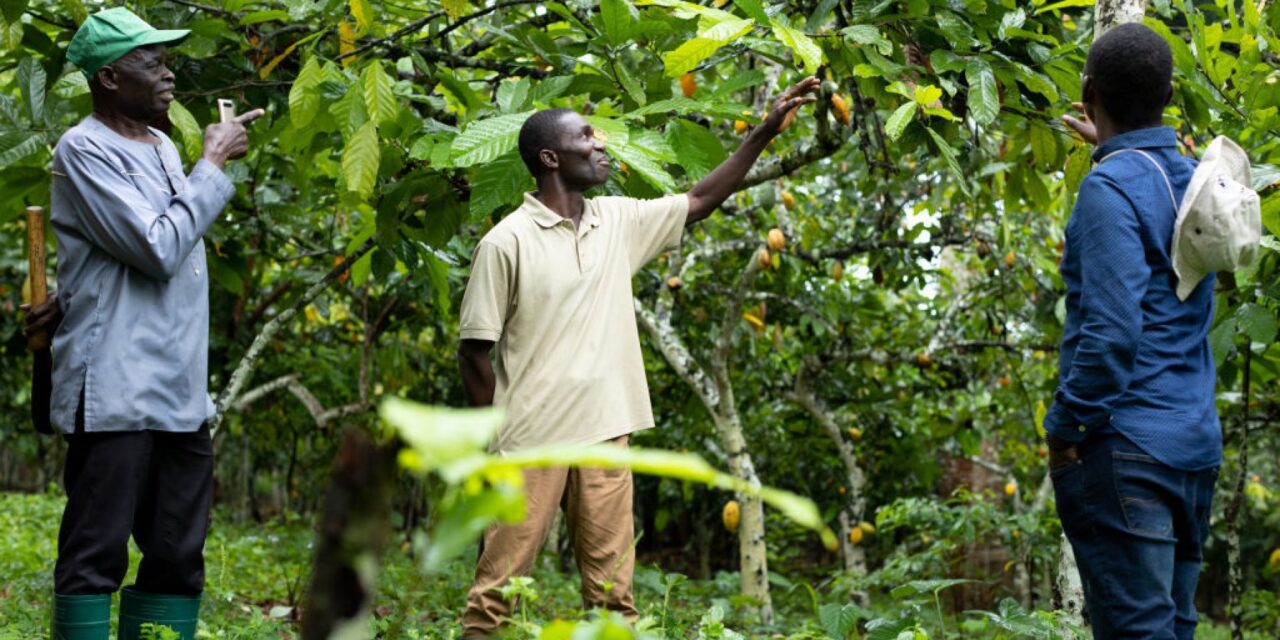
(1137, 527)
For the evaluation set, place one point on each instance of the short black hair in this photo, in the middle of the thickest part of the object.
(1132, 70)
(540, 131)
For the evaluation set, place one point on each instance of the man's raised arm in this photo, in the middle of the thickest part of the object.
(712, 190)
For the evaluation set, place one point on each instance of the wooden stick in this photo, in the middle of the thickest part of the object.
(36, 270)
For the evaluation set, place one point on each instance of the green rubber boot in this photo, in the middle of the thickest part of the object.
(81, 617)
(178, 613)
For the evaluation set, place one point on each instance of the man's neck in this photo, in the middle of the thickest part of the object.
(1108, 129)
(124, 125)
(567, 202)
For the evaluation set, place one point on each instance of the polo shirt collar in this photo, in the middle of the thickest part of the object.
(546, 218)
(1149, 138)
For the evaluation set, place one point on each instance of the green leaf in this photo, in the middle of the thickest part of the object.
(499, 183)
(1271, 213)
(1222, 341)
(1079, 162)
(360, 160)
(955, 30)
(949, 155)
(1257, 322)
(925, 587)
(839, 621)
(867, 34)
(689, 55)
(644, 165)
(442, 437)
(304, 95)
(16, 145)
(266, 15)
(1044, 144)
(1265, 176)
(380, 102)
(512, 96)
(486, 140)
(12, 10)
(984, 99)
(697, 149)
(617, 19)
(1065, 4)
(189, 129)
(897, 123)
(754, 10)
(629, 83)
(349, 111)
(802, 45)
(31, 81)
(926, 95)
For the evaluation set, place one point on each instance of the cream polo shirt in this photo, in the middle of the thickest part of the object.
(557, 301)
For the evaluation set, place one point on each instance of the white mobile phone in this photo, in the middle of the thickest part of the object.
(226, 110)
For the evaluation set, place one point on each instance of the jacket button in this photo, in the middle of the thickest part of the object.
(1082, 428)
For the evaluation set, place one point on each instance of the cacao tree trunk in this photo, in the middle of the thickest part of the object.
(1070, 591)
(1235, 569)
(752, 555)
(1109, 13)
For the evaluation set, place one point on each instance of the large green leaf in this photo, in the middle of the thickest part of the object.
(953, 164)
(687, 56)
(1078, 164)
(643, 164)
(486, 140)
(805, 49)
(898, 121)
(12, 10)
(498, 183)
(984, 99)
(617, 19)
(380, 101)
(697, 149)
(304, 95)
(440, 437)
(188, 129)
(16, 145)
(31, 81)
(360, 160)
(1044, 144)
(1257, 322)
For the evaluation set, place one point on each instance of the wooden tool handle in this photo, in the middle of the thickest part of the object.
(36, 269)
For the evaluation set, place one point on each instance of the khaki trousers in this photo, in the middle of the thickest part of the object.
(597, 506)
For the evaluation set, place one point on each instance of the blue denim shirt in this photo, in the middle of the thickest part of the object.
(1134, 358)
(132, 282)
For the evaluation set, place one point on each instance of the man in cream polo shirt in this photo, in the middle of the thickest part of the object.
(550, 286)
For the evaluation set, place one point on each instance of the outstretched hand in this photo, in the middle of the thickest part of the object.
(1088, 132)
(785, 106)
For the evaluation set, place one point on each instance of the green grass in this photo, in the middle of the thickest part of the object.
(256, 575)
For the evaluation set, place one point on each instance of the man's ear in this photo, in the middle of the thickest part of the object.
(1168, 97)
(1086, 89)
(549, 159)
(106, 78)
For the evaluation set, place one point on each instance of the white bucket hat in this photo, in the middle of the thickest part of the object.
(1219, 224)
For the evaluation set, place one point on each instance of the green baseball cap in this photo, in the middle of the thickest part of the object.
(108, 35)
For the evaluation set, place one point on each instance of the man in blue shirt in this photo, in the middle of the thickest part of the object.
(130, 354)
(1133, 434)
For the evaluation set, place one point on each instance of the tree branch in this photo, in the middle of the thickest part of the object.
(416, 25)
(678, 356)
(249, 361)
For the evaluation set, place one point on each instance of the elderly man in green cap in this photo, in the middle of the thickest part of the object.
(131, 353)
